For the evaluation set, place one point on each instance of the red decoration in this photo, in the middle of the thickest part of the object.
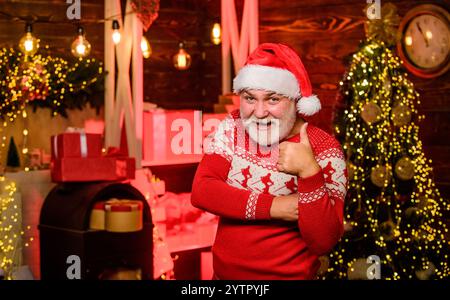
(147, 11)
(69, 144)
(92, 169)
(114, 166)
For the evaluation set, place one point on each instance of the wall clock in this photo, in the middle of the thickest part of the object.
(424, 45)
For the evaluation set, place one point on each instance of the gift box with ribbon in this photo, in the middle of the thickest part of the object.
(172, 135)
(123, 215)
(114, 166)
(97, 217)
(75, 142)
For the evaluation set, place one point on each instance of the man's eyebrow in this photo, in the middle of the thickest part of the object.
(248, 93)
(266, 96)
(270, 94)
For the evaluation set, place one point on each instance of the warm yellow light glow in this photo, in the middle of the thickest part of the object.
(81, 46)
(81, 49)
(28, 44)
(145, 47)
(216, 34)
(429, 34)
(408, 40)
(116, 36)
(182, 60)
(116, 33)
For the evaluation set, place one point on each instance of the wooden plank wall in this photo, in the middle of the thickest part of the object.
(52, 26)
(197, 87)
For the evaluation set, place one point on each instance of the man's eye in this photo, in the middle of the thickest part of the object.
(249, 98)
(274, 100)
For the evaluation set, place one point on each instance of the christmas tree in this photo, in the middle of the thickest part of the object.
(393, 210)
(13, 160)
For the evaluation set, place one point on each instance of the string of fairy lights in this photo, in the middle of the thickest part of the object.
(11, 232)
(383, 148)
(81, 47)
(31, 75)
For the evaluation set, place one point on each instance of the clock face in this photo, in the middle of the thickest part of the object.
(427, 41)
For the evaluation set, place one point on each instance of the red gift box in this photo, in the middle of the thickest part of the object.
(74, 169)
(172, 135)
(76, 144)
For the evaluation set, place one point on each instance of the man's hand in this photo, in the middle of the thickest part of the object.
(285, 208)
(298, 158)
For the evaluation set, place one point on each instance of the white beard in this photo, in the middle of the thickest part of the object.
(264, 135)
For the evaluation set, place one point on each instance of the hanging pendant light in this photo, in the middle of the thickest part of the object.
(145, 47)
(216, 34)
(116, 33)
(80, 46)
(28, 44)
(182, 60)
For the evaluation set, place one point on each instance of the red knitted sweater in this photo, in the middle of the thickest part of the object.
(238, 180)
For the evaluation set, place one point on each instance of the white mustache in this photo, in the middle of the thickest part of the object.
(264, 122)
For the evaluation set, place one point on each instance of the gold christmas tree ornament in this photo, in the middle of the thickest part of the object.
(380, 176)
(371, 113)
(401, 115)
(424, 203)
(358, 269)
(404, 168)
(426, 271)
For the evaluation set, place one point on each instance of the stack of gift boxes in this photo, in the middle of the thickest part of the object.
(77, 156)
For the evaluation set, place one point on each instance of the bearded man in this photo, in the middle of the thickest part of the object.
(277, 184)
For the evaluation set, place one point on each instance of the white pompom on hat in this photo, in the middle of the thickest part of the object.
(278, 68)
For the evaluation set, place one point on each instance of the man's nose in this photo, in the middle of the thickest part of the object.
(261, 110)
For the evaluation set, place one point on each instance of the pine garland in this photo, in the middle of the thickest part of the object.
(42, 80)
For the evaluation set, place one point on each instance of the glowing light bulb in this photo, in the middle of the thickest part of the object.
(182, 60)
(80, 46)
(146, 48)
(408, 40)
(81, 49)
(116, 36)
(28, 44)
(216, 34)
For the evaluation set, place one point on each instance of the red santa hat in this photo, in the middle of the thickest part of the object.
(278, 68)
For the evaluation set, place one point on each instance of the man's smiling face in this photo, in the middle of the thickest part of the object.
(267, 116)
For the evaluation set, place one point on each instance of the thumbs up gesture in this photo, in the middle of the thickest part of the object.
(298, 158)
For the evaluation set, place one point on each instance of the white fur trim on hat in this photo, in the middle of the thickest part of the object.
(267, 78)
(308, 106)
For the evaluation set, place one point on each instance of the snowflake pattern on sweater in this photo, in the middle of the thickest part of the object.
(238, 181)
(259, 174)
